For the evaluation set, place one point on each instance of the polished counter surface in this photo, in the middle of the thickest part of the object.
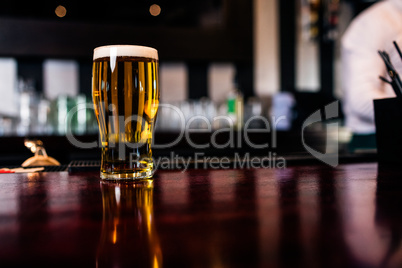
(299, 216)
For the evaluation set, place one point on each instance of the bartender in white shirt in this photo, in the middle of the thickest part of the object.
(374, 29)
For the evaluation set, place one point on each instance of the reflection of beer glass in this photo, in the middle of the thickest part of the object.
(125, 91)
(129, 237)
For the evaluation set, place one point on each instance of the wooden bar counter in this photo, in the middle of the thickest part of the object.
(299, 216)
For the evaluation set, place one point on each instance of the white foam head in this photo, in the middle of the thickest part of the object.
(125, 50)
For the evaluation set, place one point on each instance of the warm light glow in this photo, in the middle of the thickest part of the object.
(114, 233)
(60, 11)
(156, 262)
(155, 10)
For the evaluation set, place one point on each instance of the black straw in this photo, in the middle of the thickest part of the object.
(397, 48)
(395, 80)
(384, 80)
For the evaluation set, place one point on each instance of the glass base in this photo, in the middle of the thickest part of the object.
(143, 175)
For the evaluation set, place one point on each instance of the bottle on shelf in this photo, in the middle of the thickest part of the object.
(235, 106)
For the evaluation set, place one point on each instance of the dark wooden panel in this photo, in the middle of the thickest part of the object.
(49, 38)
(31, 71)
(197, 80)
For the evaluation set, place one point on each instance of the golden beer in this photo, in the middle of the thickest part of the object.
(125, 92)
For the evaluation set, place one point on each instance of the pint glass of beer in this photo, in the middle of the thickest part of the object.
(125, 92)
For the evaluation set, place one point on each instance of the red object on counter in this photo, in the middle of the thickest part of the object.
(6, 171)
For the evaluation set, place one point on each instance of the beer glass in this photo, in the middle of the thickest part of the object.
(125, 92)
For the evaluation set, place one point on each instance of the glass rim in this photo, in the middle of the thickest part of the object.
(125, 50)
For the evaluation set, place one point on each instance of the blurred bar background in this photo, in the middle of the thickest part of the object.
(271, 53)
